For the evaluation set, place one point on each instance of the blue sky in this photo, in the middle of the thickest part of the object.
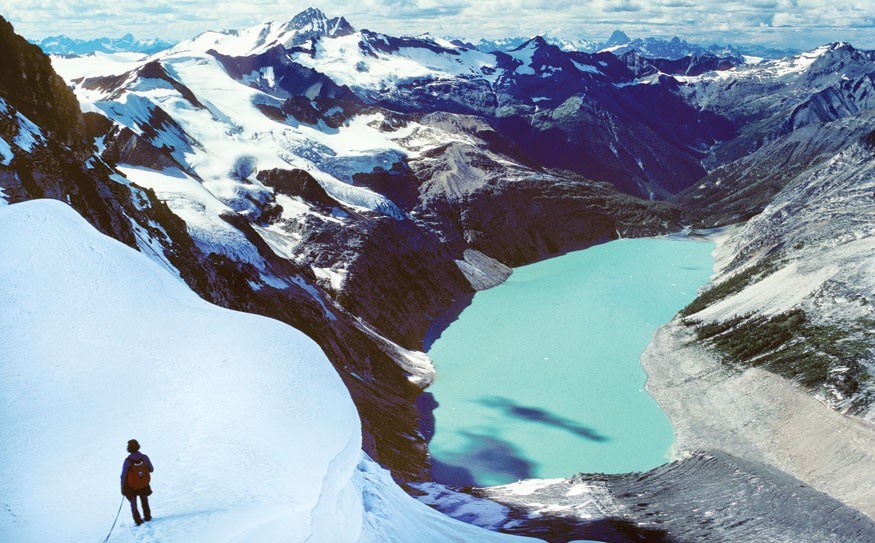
(788, 23)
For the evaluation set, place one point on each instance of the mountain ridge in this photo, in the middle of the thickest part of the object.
(653, 47)
(65, 45)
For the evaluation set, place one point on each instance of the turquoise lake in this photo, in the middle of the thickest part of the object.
(541, 376)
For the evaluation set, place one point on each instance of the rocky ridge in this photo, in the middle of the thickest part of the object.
(706, 497)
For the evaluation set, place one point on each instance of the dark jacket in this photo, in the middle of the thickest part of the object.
(131, 459)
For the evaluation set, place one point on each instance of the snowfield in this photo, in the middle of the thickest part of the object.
(252, 433)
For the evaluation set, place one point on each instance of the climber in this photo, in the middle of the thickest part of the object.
(136, 476)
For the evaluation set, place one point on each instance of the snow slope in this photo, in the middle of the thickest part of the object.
(355, 61)
(253, 436)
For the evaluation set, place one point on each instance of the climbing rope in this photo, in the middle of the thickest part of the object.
(116, 520)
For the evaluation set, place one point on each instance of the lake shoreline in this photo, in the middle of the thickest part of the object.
(553, 356)
(759, 416)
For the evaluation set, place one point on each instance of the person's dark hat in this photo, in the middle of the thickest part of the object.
(133, 445)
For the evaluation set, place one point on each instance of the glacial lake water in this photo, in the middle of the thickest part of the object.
(541, 376)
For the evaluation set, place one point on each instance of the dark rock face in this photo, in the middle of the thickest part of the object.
(843, 99)
(785, 124)
(673, 49)
(402, 277)
(124, 146)
(741, 189)
(761, 104)
(534, 218)
(28, 81)
(711, 496)
(298, 183)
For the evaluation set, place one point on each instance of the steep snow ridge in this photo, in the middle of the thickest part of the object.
(100, 345)
(253, 436)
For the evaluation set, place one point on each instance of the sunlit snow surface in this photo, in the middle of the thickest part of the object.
(253, 436)
(343, 60)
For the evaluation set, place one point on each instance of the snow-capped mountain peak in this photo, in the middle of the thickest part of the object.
(308, 25)
(618, 37)
(535, 42)
(312, 17)
(313, 23)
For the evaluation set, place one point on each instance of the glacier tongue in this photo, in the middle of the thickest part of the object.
(252, 433)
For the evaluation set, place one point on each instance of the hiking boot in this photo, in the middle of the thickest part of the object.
(147, 519)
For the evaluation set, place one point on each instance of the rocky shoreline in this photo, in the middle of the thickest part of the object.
(706, 497)
(759, 416)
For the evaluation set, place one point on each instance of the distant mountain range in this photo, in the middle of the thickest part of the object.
(619, 42)
(317, 25)
(63, 45)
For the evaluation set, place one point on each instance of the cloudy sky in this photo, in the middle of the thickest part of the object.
(787, 23)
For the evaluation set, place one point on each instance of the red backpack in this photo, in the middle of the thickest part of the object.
(138, 475)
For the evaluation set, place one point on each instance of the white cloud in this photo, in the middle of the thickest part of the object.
(794, 23)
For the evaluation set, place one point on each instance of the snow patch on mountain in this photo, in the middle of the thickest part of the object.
(786, 67)
(28, 135)
(96, 64)
(349, 61)
(200, 210)
(524, 54)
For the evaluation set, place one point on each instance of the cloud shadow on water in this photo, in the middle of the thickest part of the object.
(484, 459)
(509, 408)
